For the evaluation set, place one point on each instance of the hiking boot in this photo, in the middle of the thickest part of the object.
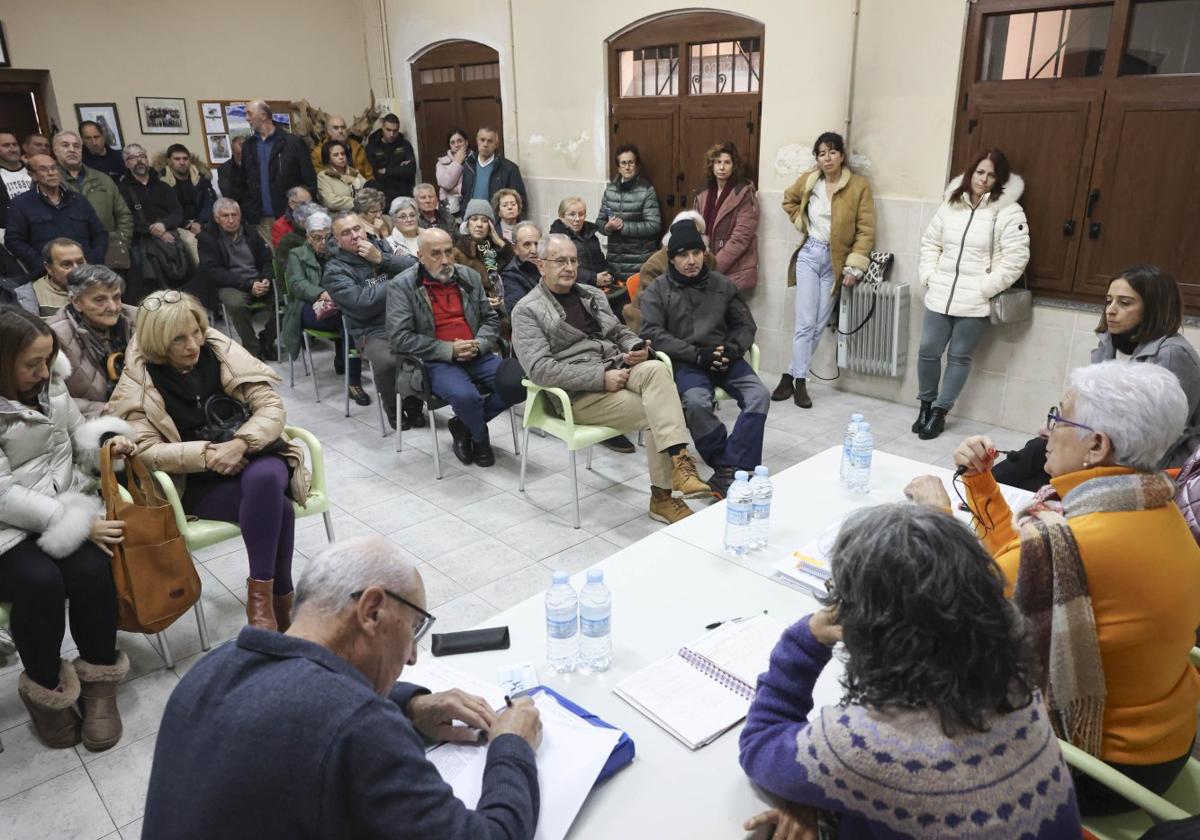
(98, 701)
(666, 508)
(686, 480)
(784, 389)
(922, 416)
(801, 396)
(53, 710)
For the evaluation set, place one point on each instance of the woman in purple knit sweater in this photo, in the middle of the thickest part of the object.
(941, 732)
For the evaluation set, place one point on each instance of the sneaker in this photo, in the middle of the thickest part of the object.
(666, 508)
(686, 480)
(720, 480)
(620, 443)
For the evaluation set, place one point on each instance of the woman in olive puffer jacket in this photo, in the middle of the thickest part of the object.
(629, 215)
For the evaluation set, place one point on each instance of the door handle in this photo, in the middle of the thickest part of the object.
(1069, 227)
(1093, 197)
(670, 199)
(1094, 230)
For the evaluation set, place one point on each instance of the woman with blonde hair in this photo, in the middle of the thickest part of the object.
(509, 208)
(206, 413)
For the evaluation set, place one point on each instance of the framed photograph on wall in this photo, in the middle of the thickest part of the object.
(5, 61)
(219, 149)
(162, 115)
(104, 114)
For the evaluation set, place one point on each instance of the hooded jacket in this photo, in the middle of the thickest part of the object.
(503, 173)
(48, 460)
(688, 318)
(359, 287)
(394, 165)
(971, 254)
(205, 195)
(852, 221)
(734, 234)
(87, 383)
(636, 203)
(137, 400)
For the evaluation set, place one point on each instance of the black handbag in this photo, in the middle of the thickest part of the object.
(223, 417)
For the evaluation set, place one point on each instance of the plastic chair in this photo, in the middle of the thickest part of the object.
(719, 393)
(258, 306)
(631, 285)
(431, 403)
(307, 333)
(202, 533)
(575, 436)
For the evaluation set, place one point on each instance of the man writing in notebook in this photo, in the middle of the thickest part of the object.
(308, 734)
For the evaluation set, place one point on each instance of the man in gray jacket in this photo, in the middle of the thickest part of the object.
(356, 276)
(566, 336)
(439, 312)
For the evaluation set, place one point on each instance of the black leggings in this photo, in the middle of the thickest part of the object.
(37, 585)
(1096, 800)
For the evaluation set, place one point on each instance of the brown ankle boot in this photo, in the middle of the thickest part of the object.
(54, 717)
(98, 699)
(283, 610)
(260, 612)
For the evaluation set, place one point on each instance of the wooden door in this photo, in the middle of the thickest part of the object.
(706, 121)
(455, 85)
(653, 130)
(1055, 181)
(1144, 184)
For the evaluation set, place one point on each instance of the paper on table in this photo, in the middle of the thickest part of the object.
(569, 760)
(743, 647)
(683, 700)
(432, 674)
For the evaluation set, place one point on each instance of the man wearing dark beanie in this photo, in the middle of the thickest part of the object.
(698, 318)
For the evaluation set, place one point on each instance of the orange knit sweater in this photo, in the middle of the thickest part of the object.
(1143, 570)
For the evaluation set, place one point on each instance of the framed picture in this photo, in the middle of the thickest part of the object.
(104, 114)
(162, 115)
(5, 61)
(218, 148)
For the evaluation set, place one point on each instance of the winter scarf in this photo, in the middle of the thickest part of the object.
(1052, 592)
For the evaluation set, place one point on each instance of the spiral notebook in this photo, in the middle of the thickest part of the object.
(704, 689)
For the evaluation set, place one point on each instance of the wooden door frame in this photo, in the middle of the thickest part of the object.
(36, 82)
(468, 52)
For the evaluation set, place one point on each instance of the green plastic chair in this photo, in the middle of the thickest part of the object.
(308, 333)
(260, 306)
(719, 393)
(575, 436)
(202, 533)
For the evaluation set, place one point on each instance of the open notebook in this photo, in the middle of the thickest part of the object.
(705, 688)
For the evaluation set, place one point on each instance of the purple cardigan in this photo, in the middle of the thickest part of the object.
(893, 773)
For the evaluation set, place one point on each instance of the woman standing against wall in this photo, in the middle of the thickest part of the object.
(629, 215)
(730, 210)
(450, 170)
(833, 209)
(976, 247)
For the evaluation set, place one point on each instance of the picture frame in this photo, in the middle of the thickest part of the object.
(105, 115)
(162, 115)
(5, 61)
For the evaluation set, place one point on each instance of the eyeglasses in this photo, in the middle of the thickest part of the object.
(562, 262)
(422, 627)
(155, 302)
(1054, 417)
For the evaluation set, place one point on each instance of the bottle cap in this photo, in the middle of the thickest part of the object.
(762, 470)
(856, 418)
(561, 577)
(741, 475)
(595, 576)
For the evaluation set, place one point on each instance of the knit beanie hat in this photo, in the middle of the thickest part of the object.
(479, 207)
(684, 237)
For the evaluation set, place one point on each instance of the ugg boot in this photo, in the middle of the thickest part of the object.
(935, 426)
(283, 610)
(784, 389)
(98, 701)
(801, 396)
(260, 612)
(53, 711)
(922, 416)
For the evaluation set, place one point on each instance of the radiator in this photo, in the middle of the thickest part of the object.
(880, 347)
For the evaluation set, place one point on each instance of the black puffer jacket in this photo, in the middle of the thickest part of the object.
(686, 318)
(587, 246)
(636, 203)
(394, 165)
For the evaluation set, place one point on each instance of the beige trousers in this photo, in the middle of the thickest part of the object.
(649, 401)
(264, 230)
(189, 240)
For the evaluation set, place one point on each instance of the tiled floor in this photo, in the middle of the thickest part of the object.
(481, 547)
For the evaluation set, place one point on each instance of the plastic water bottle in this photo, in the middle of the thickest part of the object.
(760, 508)
(848, 444)
(860, 459)
(737, 514)
(562, 624)
(595, 623)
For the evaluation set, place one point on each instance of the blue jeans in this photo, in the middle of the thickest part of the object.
(742, 448)
(939, 330)
(461, 384)
(814, 303)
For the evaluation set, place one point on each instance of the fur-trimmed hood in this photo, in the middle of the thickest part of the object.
(1010, 193)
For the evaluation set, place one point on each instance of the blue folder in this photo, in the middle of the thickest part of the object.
(623, 752)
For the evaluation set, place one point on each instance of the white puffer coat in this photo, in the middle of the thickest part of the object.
(971, 254)
(48, 461)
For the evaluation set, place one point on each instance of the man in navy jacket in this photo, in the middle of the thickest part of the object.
(308, 734)
(48, 210)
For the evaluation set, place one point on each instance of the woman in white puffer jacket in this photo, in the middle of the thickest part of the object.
(54, 538)
(976, 247)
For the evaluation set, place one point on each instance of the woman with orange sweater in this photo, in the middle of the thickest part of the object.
(1106, 572)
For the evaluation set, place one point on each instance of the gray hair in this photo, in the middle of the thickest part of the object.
(695, 216)
(401, 202)
(559, 239)
(82, 278)
(294, 192)
(350, 566)
(64, 133)
(1141, 408)
(516, 231)
(424, 186)
(131, 147)
(367, 198)
(225, 203)
(318, 220)
(300, 214)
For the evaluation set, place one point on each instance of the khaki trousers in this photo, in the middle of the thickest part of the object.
(189, 240)
(649, 401)
(264, 230)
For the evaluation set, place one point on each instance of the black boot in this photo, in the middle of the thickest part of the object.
(922, 416)
(935, 425)
(784, 389)
(481, 451)
(464, 447)
(801, 396)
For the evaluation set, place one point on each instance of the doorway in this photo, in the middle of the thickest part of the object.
(23, 102)
(456, 84)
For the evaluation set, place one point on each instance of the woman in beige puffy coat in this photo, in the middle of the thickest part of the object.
(54, 541)
(177, 365)
(338, 182)
(976, 247)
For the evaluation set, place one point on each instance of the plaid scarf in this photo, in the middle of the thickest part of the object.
(1052, 593)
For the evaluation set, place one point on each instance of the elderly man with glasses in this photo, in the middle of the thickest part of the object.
(48, 210)
(308, 733)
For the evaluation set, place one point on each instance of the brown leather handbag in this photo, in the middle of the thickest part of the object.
(155, 578)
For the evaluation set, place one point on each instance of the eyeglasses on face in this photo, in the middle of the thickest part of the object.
(562, 262)
(423, 623)
(1054, 418)
(155, 302)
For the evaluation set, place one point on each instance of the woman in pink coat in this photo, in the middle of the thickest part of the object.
(450, 170)
(730, 210)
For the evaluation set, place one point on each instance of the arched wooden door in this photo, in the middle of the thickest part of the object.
(680, 83)
(455, 84)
